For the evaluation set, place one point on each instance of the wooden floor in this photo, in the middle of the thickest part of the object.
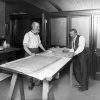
(60, 88)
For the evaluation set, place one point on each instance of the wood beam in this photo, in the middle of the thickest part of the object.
(36, 4)
(55, 5)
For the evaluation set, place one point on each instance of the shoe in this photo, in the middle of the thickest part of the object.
(83, 89)
(77, 86)
(31, 85)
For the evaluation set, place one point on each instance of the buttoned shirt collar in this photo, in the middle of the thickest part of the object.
(35, 33)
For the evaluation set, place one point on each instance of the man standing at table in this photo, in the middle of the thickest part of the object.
(77, 42)
(32, 43)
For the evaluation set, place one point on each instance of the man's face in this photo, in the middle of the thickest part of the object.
(72, 34)
(36, 27)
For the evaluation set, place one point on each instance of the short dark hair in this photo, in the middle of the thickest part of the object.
(2, 41)
(73, 29)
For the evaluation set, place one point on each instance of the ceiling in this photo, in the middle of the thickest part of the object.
(63, 5)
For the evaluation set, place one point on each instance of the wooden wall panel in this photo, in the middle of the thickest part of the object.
(58, 31)
(98, 32)
(82, 25)
(2, 18)
(97, 42)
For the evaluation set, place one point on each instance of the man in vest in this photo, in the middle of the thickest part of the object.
(77, 42)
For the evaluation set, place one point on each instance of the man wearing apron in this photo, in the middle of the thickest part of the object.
(31, 44)
(77, 42)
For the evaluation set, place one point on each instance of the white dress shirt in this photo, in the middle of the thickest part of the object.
(81, 45)
(31, 40)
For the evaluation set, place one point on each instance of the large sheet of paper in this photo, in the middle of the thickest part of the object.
(40, 66)
(30, 64)
(58, 52)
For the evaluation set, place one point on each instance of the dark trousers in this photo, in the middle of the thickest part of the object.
(80, 69)
(33, 50)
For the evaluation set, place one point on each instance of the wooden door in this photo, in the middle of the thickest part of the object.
(96, 42)
(58, 31)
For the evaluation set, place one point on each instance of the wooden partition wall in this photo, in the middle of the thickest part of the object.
(82, 25)
(87, 24)
(59, 29)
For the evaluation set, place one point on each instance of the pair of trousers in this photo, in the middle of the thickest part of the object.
(80, 69)
(33, 50)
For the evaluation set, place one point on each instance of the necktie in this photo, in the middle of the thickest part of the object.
(73, 44)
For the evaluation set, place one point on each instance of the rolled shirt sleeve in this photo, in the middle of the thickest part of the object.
(39, 41)
(81, 45)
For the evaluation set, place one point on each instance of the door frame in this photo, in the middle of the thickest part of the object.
(95, 52)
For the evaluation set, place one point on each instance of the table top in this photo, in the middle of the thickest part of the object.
(41, 66)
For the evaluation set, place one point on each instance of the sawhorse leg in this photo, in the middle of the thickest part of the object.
(13, 85)
(71, 74)
(47, 93)
(45, 90)
(21, 87)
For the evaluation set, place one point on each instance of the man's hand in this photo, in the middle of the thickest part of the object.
(70, 54)
(41, 46)
(32, 54)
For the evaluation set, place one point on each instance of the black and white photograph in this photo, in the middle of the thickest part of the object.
(49, 49)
